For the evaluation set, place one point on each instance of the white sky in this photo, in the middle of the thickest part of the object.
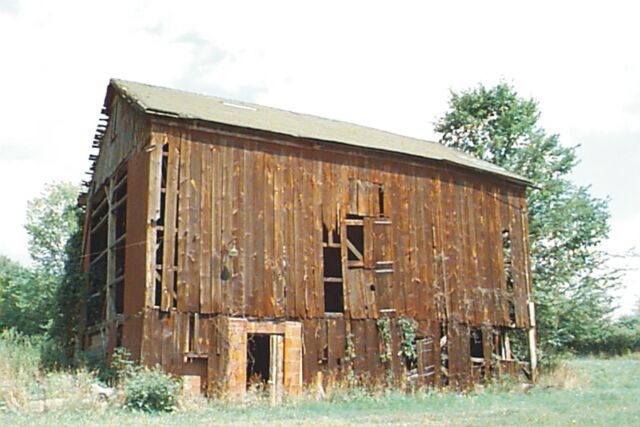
(388, 65)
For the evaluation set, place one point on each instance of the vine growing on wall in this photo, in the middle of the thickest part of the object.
(350, 350)
(384, 331)
(408, 349)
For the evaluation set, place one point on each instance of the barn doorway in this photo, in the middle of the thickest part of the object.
(242, 349)
(264, 373)
(258, 352)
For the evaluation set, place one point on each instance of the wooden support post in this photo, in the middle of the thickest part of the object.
(533, 355)
(276, 368)
(110, 313)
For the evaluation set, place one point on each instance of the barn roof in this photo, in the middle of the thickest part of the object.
(187, 105)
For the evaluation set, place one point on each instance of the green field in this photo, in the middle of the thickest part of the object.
(587, 392)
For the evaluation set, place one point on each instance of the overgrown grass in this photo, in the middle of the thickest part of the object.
(583, 391)
(25, 387)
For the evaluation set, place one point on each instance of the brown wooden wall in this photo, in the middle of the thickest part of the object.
(433, 247)
(269, 201)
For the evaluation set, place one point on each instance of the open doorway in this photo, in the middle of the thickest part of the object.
(258, 360)
(265, 353)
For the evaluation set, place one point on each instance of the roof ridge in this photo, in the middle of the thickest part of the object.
(193, 105)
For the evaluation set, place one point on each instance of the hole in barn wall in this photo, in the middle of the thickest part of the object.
(333, 297)
(381, 200)
(355, 235)
(332, 272)
(475, 343)
(332, 262)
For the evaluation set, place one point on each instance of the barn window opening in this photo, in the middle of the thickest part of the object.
(512, 311)
(332, 271)
(355, 241)
(258, 360)
(192, 337)
(509, 279)
(381, 200)
(506, 249)
(475, 343)
(120, 297)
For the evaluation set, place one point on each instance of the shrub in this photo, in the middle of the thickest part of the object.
(120, 367)
(150, 390)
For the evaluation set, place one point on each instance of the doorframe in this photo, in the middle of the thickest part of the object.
(229, 348)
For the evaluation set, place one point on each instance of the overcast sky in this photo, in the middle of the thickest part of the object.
(388, 65)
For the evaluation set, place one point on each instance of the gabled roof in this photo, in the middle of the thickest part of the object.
(187, 105)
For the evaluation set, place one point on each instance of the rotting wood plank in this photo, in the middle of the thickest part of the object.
(359, 343)
(416, 293)
(316, 240)
(298, 280)
(280, 215)
(184, 201)
(227, 237)
(261, 288)
(290, 229)
(518, 262)
(483, 255)
(372, 358)
(237, 217)
(153, 215)
(206, 213)
(268, 259)
(307, 239)
(194, 233)
(170, 220)
(248, 231)
(217, 203)
(422, 250)
(311, 339)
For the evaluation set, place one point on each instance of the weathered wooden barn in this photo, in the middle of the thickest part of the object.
(225, 240)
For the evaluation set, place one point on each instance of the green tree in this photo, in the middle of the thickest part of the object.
(53, 225)
(65, 310)
(19, 308)
(567, 223)
(30, 297)
(51, 220)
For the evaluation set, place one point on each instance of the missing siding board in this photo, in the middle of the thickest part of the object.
(332, 272)
(160, 271)
(355, 241)
(508, 274)
(120, 297)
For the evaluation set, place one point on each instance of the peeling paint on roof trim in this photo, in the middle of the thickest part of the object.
(165, 102)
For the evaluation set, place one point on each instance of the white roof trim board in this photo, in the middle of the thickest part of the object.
(188, 105)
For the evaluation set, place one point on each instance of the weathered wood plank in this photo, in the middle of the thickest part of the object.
(184, 194)
(191, 301)
(217, 207)
(170, 221)
(206, 214)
